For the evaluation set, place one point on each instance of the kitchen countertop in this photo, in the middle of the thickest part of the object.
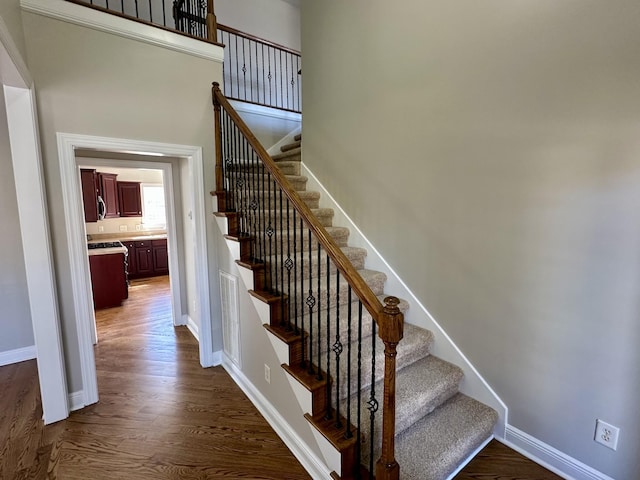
(107, 251)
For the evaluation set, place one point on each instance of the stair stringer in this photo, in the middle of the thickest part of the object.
(332, 457)
(473, 384)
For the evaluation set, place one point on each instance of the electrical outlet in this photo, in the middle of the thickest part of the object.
(123, 228)
(606, 434)
(267, 373)
(100, 229)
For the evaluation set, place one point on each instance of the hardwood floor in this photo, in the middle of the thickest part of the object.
(498, 462)
(162, 416)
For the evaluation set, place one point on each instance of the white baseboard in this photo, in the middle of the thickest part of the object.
(549, 457)
(217, 358)
(76, 400)
(193, 327)
(17, 355)
(309, 460)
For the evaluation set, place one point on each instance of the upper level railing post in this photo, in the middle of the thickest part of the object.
(212, 24)
(390, 331)
(221, 194)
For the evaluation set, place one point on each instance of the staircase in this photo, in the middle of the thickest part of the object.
(328, 330)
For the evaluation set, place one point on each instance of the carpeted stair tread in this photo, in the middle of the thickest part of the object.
(288, 155)
(415, 346)
(290, 146)
(420, 388)
(344, 323)
(272, 199)
(261, 181)
(324, 215)
(296, 243)
(374, 279)
(436, 445)
(356, 256)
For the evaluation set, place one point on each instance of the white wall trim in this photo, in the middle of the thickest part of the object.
(473, 384)
(265, 111)
(192, 326)
(217, 358)
(13, 69)
(17, 355)
(87, 17)
(76, 400)
(310, 461)
(38, 259)
(76, 240)
(549, 457)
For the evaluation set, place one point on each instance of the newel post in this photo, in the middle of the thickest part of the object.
(390, 331)
(212, 24)
(221, 194)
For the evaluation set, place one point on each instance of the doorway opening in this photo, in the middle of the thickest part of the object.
(182, 168)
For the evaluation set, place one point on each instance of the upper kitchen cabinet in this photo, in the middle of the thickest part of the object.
(89, 182)
(109, 193)
(129, 199)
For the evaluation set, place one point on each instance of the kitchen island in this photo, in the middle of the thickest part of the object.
(108, 266)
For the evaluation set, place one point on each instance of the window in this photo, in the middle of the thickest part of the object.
(153, 210)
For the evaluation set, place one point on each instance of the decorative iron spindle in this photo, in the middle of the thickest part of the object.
(319, 337)
(348, 433)
(372, 404)
(337, 349)
(328, 414)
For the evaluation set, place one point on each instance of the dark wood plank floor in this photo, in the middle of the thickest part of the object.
(162, 416)
(498, 462)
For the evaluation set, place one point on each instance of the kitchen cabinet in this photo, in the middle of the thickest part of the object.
(144, 259)
(147, 258)
(108, 279)
(109, 193)
(160, 256)
(129, 199)
(89, 183)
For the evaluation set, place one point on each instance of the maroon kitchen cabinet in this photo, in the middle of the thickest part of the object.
(144, 259)
(108, 280)
(129, 200)
(89, 183)
(160, 257)
(147, 258)
(109, 193)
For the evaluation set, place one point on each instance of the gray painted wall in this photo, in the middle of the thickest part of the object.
(15, 315)
(94, 83)
(497, 154)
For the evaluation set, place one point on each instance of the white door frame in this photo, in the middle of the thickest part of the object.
(176, 280)
(22, 121)
(76, 241)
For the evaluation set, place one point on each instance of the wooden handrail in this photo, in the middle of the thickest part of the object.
(232, 30)
(363, 291)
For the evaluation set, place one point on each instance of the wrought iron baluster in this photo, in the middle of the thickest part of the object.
(164, 14)
(337, 349)
(328, 414)
(295, 275)
(288, 264)
(348, 433)
(244, 70)
(310, 303)
(359, 374)
(372, 404)
(269, 233)
(319, 337)
(302, 329)
(150, 12)
(280, 263)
